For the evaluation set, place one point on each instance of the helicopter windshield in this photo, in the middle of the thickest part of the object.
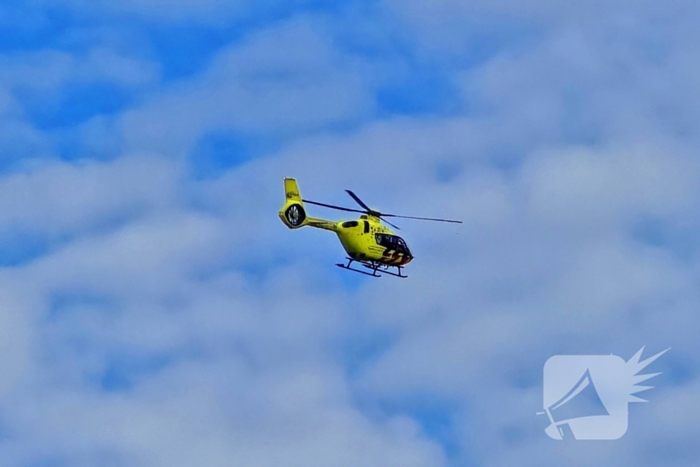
(393, 242)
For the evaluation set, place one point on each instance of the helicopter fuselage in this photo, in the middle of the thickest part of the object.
(367, 239)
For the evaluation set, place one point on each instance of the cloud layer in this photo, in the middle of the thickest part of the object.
(156, 312)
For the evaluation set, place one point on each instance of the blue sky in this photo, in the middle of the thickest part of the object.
(155, 311)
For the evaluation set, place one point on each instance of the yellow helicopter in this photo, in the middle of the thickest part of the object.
(365, 240)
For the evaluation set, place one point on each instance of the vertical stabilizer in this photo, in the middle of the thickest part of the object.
(291, 190)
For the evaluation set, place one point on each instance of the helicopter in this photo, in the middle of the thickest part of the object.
(365, 240)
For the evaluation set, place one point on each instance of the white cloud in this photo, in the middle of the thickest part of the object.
(573, 187)
(44, 72)
(280, 80)
(37, 82)
(61, 197)
(210, 12)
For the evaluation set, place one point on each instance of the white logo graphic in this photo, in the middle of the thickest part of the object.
(587, 396)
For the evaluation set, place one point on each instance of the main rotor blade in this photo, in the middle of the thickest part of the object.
(359, 201)
(422, 218)
(332, 206)
(393, 225)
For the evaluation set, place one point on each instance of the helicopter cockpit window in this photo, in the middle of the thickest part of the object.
(379, 238)
(349, 224)
(392, 242)
(366, 226)
(401, 245)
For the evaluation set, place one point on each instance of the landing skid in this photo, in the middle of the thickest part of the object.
(374, 266)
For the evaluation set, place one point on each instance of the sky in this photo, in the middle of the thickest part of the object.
(155, 311)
